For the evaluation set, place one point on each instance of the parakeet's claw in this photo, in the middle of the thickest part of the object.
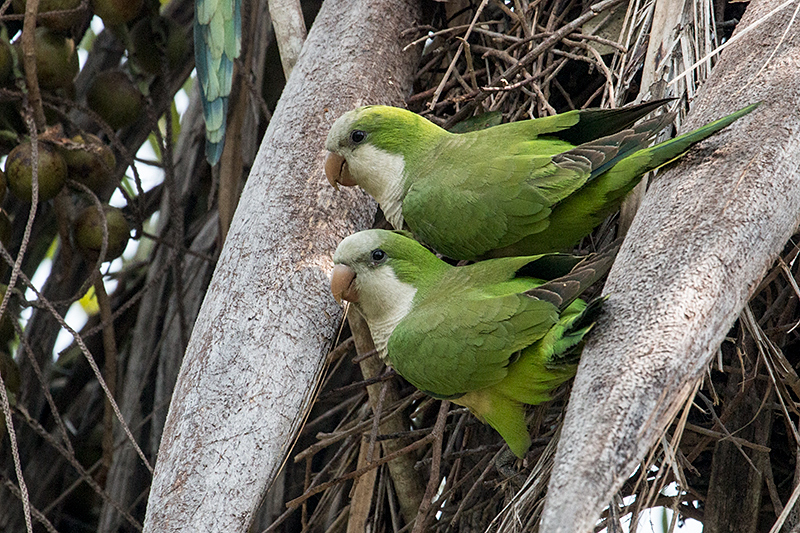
(337, 172)
(342, 284)
(508, 465)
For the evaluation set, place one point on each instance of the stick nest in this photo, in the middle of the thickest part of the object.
(507, 61)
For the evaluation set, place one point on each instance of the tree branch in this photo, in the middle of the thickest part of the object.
(259, 344)
(703, 238)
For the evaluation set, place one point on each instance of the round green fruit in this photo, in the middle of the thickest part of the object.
(88, 232)
(56, 59)
(114, 97)
(114, 12)
(155, 38)
(19, 172)
(91, 162)
(59, 22)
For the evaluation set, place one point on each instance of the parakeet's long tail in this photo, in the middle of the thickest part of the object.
(602, 195)
(506, 416)
(217, 43)
(648, 159)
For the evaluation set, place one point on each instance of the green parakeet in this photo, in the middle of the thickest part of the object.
(522, 188)
(489, 336)
(217, 42)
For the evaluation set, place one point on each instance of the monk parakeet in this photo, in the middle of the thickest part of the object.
(522, 188)
(217, 42)
(489, 336)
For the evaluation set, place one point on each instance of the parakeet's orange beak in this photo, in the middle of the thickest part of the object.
(342, 284)
(337, 172)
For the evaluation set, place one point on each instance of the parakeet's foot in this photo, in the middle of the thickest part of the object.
(508, 465)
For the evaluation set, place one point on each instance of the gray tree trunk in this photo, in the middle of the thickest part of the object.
(703, 238)
(163, 322)
(259, 344)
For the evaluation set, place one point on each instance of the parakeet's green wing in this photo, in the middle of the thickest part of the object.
(503, 198)
(448, 350)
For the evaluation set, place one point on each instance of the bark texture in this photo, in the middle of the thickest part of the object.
(258, 346)
(290, 31)
(703, 238)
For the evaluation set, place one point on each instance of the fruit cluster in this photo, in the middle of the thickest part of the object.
(78, 159)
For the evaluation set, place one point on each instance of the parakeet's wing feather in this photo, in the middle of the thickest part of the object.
(562, 291)
(502, 197)
(581, 125)
(449, 345)
(506, 196)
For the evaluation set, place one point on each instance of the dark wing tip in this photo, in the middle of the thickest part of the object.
(564, 290)
(597, 123)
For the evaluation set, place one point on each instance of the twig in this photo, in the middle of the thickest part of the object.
(29, 60)
(290, 31)
(110, 374)
(15, 273)
(389, 374)
(742, 32)
(38, 515)
(433, 480)
(82, 345)
(352, 475)
(70, 457)
(544, 46)
(327, 440)
(452, 65)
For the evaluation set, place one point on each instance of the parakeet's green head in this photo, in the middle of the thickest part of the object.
(391, 129)
(380, 272)
(370, 147)
(368, 256)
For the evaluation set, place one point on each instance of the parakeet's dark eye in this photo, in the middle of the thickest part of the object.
(358, 136)
(378, 256)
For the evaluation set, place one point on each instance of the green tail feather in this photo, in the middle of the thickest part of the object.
(588, 207)
(626, 174)
(507, 417)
